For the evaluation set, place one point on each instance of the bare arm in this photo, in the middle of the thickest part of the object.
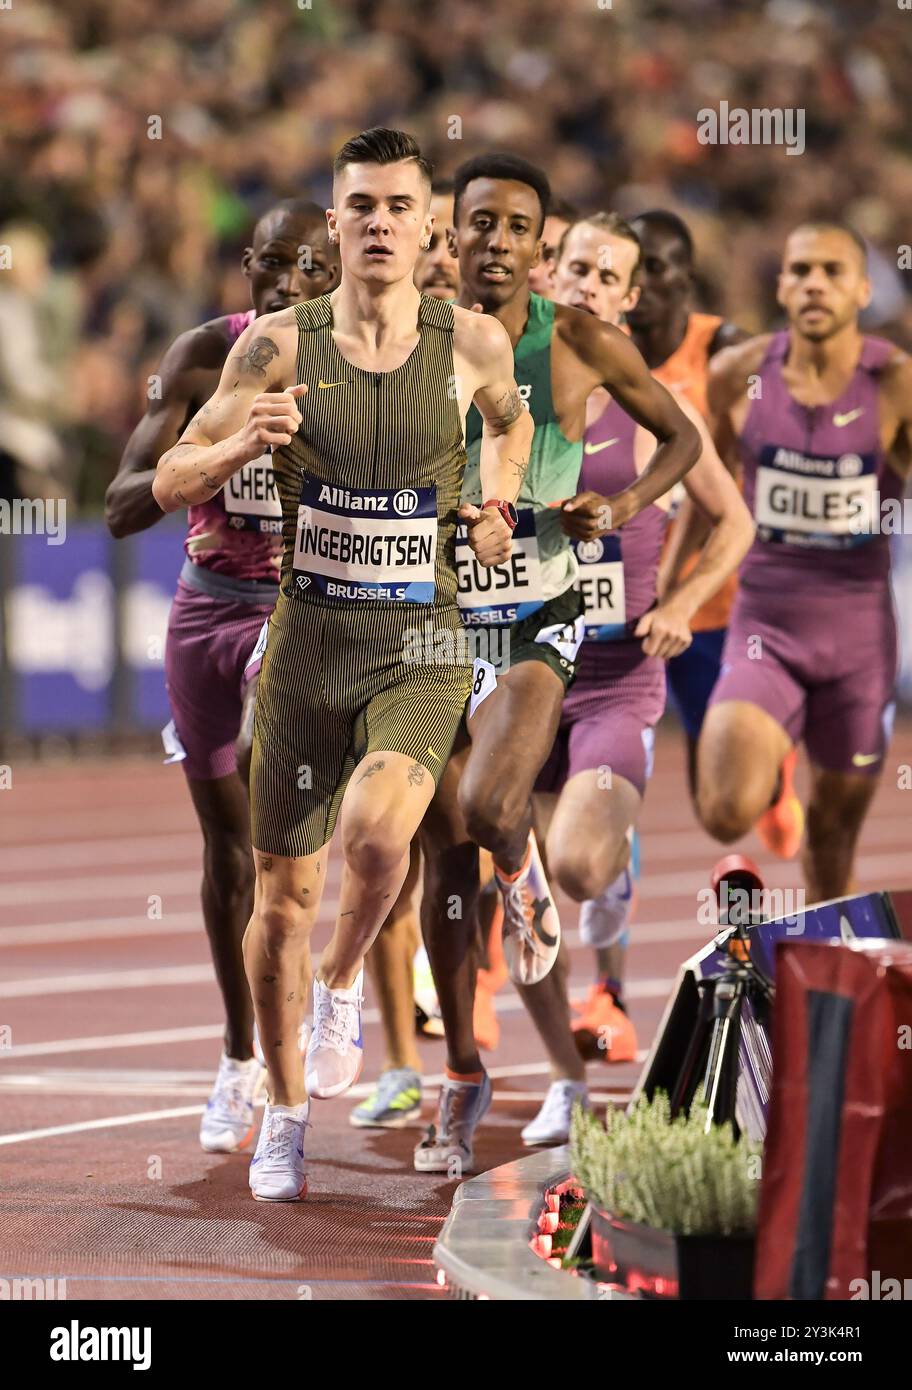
(507, 430)
(713, 494)
(129, 503)
(622, 371)
(249, 411)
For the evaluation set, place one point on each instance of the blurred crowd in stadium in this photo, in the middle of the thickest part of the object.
(120, 241)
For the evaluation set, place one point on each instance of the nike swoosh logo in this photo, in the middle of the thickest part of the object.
(850, 415)
(325, 385)
(433, 755)
(597, 448)
(864, 759)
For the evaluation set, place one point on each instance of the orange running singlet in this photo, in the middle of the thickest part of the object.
(685, 371)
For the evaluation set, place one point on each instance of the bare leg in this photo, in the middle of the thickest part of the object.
(390, 962)
(838, 805)
(276, 953)
(382, 808)
(739, 755)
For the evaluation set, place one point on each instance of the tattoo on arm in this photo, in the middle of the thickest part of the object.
(416, 774)
(181, 498)
(209, 481)
(200, 416)
(509, 408)
(369, 772)
(258, 356)
(519, 467)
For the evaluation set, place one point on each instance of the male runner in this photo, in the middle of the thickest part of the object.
(361, 395)
(820, 418)
(677, 344)
(532, 611)
(589, 793)
(397, 962)
(437, 271)
(227, 588)
(559, 217)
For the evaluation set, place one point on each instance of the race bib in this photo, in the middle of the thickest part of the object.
(565, 638)
(484, 681)
(502, 593)
(369, 545)
(251, 499)
(259, 650)
(601, 583)
(803, 499)
(172, 744)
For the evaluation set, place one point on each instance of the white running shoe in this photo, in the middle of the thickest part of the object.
(303, 1040)
(602, 920)
(531, 926)
(277, 1172)
(227, 1123)
(447, 1146)
(335, 1053)
(552, 1123)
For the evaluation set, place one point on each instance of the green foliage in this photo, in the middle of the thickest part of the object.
(665, 1173)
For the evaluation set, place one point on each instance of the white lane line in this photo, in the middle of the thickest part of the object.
(108, 980)
(505, 1004)
(84, 854)
(108, 928)
(93, 886)
(182, 1112)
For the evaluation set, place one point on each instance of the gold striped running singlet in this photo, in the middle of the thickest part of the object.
(369, 488)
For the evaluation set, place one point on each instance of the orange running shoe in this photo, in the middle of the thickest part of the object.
(485, 1024)
(604, 1031)
(781, 827)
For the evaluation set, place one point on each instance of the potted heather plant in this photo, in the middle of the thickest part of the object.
(674, 1201)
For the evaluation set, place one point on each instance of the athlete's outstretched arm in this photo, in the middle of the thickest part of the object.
(506, 439)
(235, 426)
(714, 493)
(129, 503)
(622, 371)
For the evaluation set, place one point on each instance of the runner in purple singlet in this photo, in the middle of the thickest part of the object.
(226, 590)
(820, 417)
(590, 791)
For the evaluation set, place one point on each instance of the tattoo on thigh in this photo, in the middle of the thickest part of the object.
(265, 863)
(369, 771)
(416, 774)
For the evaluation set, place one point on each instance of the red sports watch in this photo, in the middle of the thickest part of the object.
(506, 509)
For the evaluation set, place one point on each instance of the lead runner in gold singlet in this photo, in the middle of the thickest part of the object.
(362, 395)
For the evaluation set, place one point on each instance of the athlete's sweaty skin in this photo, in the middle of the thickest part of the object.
(823, 286)
(380, 218)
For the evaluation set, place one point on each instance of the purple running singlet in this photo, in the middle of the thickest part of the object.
(812, 639)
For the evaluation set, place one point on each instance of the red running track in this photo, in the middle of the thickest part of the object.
(109, 1039)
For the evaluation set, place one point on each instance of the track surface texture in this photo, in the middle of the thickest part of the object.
(110, 1035)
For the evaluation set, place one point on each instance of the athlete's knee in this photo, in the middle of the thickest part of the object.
(372, 847)
(280, 924)
(725, 813)
(228, 862)
(579, 870)
(492, 810)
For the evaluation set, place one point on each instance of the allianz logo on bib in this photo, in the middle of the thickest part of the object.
(405, 502)
(75, 1343)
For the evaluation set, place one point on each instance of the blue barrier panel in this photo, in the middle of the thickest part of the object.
(61, 631)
